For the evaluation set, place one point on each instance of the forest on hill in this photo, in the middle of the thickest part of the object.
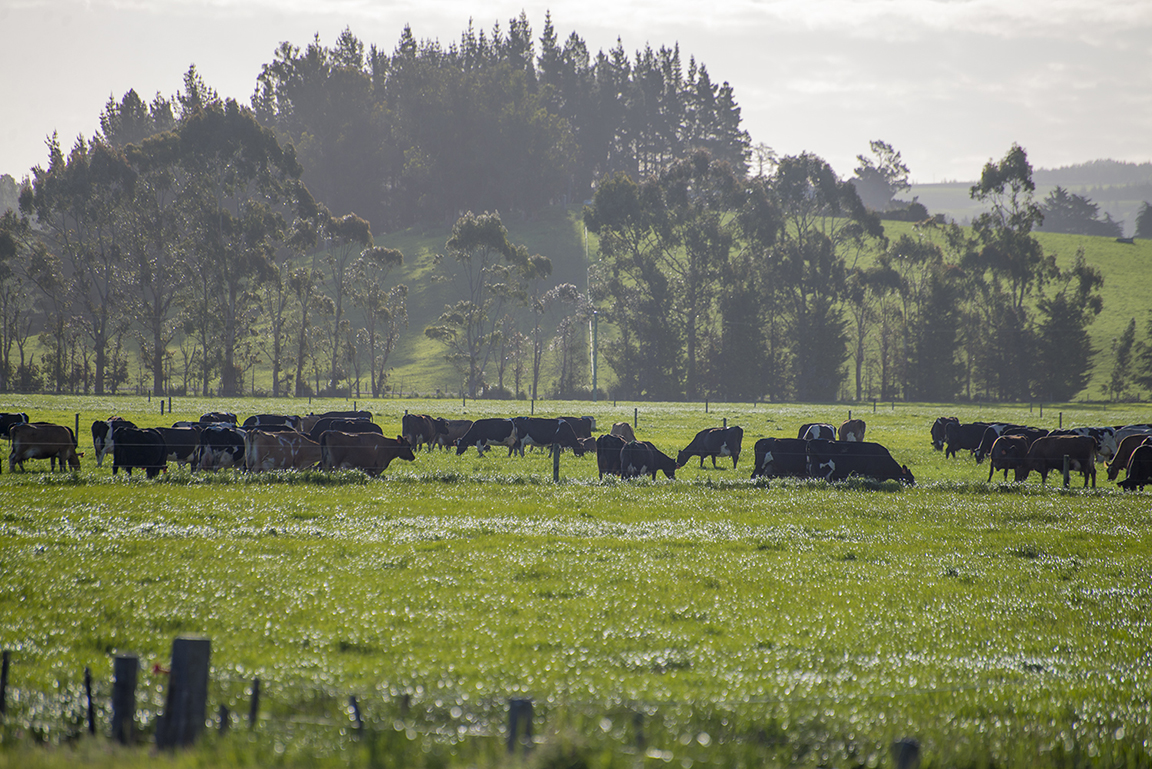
(195, 244)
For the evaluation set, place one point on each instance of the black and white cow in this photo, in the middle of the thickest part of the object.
(781, 458)
(608, 454)
(838, 460)
(7, 420)
(104, 436)
(486, 433)
(643, 458)
(181, 443)
(817, 431)
(582, 426)
(264, 421)
(420, 430)
(218, 417)
(221, 446)
(535, 431)
(713, 442)
(143, 449)
(939, 431)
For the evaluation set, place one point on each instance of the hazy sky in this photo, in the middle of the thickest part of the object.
(949, 83)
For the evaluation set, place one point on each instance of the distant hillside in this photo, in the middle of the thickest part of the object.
(1101, 173)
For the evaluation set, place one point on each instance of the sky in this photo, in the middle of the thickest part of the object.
(951, 84)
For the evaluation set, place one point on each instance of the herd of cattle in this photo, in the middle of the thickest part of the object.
(351, 440)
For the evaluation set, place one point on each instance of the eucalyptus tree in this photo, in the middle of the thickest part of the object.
(16, 310)
(1063, 348)
(342, 240)
(385, 310)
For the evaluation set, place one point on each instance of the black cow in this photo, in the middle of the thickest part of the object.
(264, 421)
(310, 420)
(181, 443)
(713, 442)
(103, 436)
(218, 417)
(642, 458)
(781, 458)
(939, 431)
(991, 433)
(608, 454)
(960, 436)
(1139, 469)
(344, 426)
(582, 426)
(144, 449)
(486, 433)
(221, 446)
(838, 460)
(7, 420)
(535, 431)
(817, 431)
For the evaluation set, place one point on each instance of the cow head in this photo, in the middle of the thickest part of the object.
(906, 477)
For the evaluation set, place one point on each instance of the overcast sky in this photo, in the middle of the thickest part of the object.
(949, 83)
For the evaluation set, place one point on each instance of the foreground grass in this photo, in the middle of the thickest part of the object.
(703, 619)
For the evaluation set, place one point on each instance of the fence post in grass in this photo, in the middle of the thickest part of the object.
(254, 707)
(169, 404)
(906, 754)
(519, 713)
(555, 462)
(705, 405)
(186, 703)
(635, 417)
(7, 660)
(638, 729)
(1061, 427)
(873, 405)
(124, 670)
(77, 433)
(1041, 410)
(161, 407)
(225, 719)
(1066, 468)
(91, 709)
(533, 412)
(725, 423)
(357, 719)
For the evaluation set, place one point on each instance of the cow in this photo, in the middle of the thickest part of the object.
(284, 450)
(939, 431)
(780, 458)
(103, 436)
(1008, 452)
(1047, 454)
(139, 449)
(262, 421)
(839, 460)
(582, 426)
(486, 433)
(817, 431)
(218, 417)
(534, 431)
(181, 443)
(343, 425)
(309, 421)
(368, 452)
(7, 420)
(221, 446)
(1139, 468)
(1124, 453)
(419, 429)
(991, 433)
(963, 436)
(42, 440)
(624, 430)
(608, 453)
(588, 445)
(713, 442)
(642, 458)
(1106, 437)
(448, 431)
(852, 430)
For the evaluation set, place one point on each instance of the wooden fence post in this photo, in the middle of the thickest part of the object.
(725, 423)
(357, 719)
(638, 728)
(7, 660)
(186, 704)
(635, 418)
(705, 405)
(225, 719)
(1061, 427)
(519, 713)
(906, 754)
(161, 407)
(254, 707)
(91, 709)
(555, 462)
(124, 670)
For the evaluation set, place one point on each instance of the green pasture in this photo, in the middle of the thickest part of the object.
(703, 619)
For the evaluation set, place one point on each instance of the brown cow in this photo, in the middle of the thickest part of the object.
(1047, 454)
(43, 440)
(1124, 453)
(1008, 452)
(369, 452)
(624, 430)
(288, 450)
(852, 430)
(450, 431)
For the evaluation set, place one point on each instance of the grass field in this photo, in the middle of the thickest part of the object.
(705, 619)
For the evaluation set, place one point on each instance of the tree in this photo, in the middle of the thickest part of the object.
(345, 238)
(1144, 221)
(880, 178)
(1077, 215)
(1064, 350)
(1122, 349)
(385, 310)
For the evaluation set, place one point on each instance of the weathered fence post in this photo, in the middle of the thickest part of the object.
(254, 706)
(405, 704)
(1061, 427)
(638, 728)
(873, 405)
(705, 405)
(169, 404)
(225, 719)
(186, 704)
(555, 462)
(77, 433)
(1067, 479)
(1041, 410)
(7, 660)
(519, 713)
(533, 412)
(725, 423)
(161, 407)
(357, 719)
(635, 417)
(91, 709)
(124, 670)
(906, 754)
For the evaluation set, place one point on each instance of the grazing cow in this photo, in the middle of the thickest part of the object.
(218, 417)
(344, 426)
(419, 430)
(282, 450)
(143, 449)
(608, 453)
(852, 430)
(309, 421)
(262, 421)
(838, 460)
(582, 426)
(817, 431)
(534, 431)
(43, 440)
(103, 436)
(448, 431)
(181, 443)
(588, 445)
(1008, 452)
(7, 420)
(939, 431)
(991, 433)
(713, 442)
(963, 436)
(1124, 453)
(486, 433)
(624, 430)
(1107, 440)
(1139, 469)
(368, 452)
(642, 458)
(781, 458)
(1047, 454)
(221, 446)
